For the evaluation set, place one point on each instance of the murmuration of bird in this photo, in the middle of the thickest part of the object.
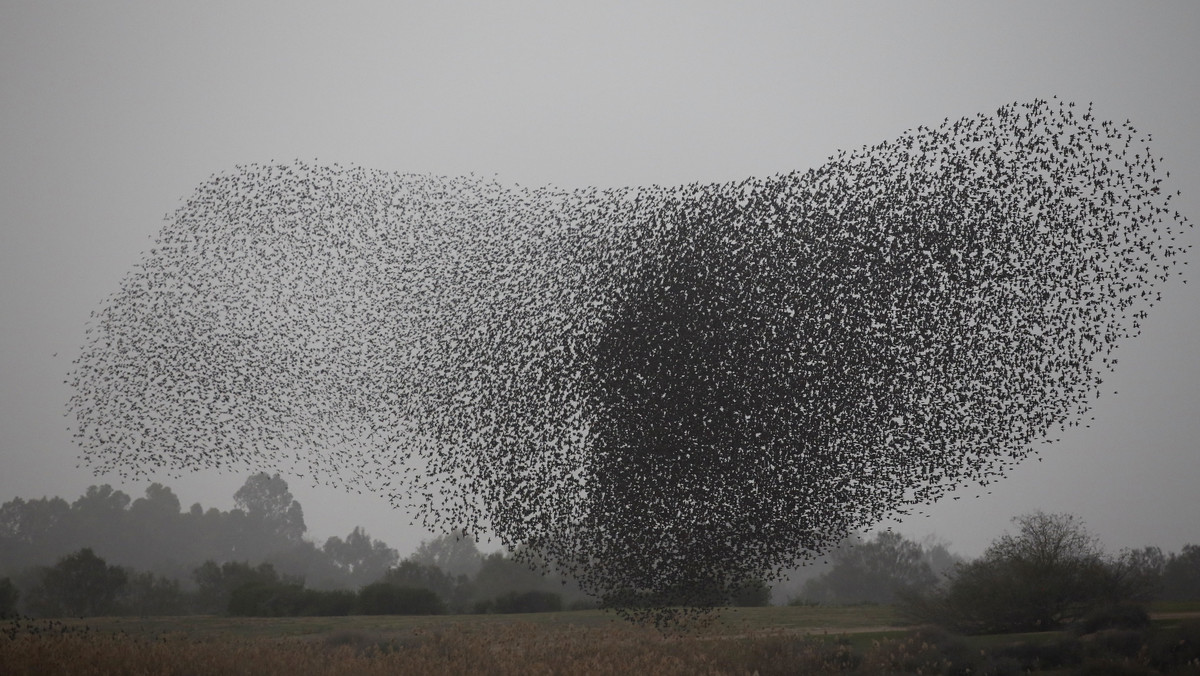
(663, 392)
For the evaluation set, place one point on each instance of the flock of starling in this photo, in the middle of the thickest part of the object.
(659, 391)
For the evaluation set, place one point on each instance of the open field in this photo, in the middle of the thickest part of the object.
(775, 640)
(733, 621)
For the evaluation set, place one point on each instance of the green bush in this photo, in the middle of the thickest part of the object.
(752, 594)
(1119, 642)
(1108, 666)
(8, 598)
(331, 603)
(216, 583)
(383, 598)
(586, 603)
(873, 571)
(1174, 647)
(1052, 573)
(1119, 616)
(149, 594)
(282, 599)
(80, 585)
(1181, 575)
(1037, 656)
(529, 602)
(267, 599)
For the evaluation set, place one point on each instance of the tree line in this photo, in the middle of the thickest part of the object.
(83, 584)
(153, 534)
(1049, 574)
(107, 554)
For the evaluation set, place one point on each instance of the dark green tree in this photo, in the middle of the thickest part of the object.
(501, 574)
(148, 594)
(270, 510)
(1181, 575)
(262, 599)
(80, 585)
(358, 559)
(383, 598)
(872, 571)
(309, 562)
(99, 520)
(216, 583)
(34, 532)
(8, 598)
(1050, 573)
(166, 541)
(750, 594)
(1140, 572)
(458, 592)
(409, 573)
(455, 554)
(528, 602)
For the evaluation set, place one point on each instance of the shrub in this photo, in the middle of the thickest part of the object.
(872, 571)
(150, 594)
(1035, 655)
(280, 599)
(752, 594)
(1051, 573)
(586, 603)
(529, 602)
(383, 598)
(8, 598)
(1175, 647)
(216, 583)
(333, 602)
(80, 584)
(1119, 642)
(1106, 666)
(266, 599)
(1119, 616)
(1181, 575)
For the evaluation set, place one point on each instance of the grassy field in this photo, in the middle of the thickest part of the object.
(733, 621)
(774, 640)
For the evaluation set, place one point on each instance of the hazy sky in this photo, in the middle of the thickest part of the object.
(112, 112)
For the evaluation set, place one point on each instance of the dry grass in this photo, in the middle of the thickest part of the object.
(756, 641)
(732, 621)
(513, 647)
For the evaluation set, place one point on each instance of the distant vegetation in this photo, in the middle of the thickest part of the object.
(1052, 573)
(105, 554)
(878, 570)
(154, 534)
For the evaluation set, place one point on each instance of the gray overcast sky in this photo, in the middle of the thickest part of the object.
(112, 112)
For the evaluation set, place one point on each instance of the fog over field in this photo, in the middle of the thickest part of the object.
(113, 113)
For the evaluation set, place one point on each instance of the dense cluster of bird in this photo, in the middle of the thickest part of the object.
(659, 390)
